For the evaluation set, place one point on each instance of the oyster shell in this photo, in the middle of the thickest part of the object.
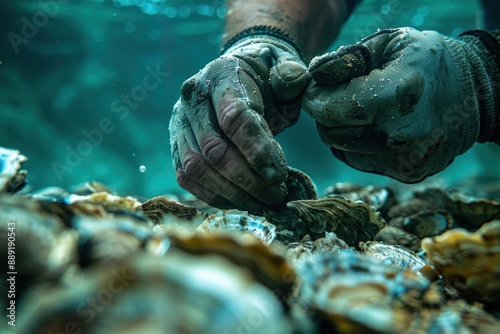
(428, 223)
(396, 236)
(264, 264)
(352, 221)
(468, 211)
(177, 293)
(242, 221)
(381, 198)
(357, 293)
(44, 247)
(399, 257)
(296, 251)
(161, 207)
(12, 177)
(469, 261)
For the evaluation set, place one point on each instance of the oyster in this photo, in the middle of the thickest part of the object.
(235, 220)
(177, 293)
(357, 293)
(381, 198)
(399, 257)
(12, 177)
(264, 264)
(396, 236)
(428, 223)
(469, 261)
(330, 243)
(352, 221)
(161, 207)
(44, 248)
(468, 211)
(107, 239)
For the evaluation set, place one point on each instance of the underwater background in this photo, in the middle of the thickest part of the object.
(74, 101)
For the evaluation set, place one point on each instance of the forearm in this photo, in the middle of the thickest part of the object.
(311, 24)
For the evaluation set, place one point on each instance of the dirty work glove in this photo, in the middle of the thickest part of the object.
(403, 102)
(221, 130)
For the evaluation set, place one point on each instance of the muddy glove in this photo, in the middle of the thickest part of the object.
(403, 102)
(221, 130)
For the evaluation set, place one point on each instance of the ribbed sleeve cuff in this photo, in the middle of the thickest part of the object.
(489, 43)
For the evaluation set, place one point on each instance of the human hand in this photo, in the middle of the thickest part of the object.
(402, 102)
(221, 130)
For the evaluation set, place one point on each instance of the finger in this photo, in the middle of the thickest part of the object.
(239, 107)
(359, 102)
(198, 177)
(203, 193)
(223, 156)
(354, 60)
(289, 77)
(360, 139)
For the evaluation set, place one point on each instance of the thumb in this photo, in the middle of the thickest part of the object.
(289, 77)
(352, 61)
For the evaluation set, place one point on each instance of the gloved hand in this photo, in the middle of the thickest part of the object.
(403, 102)
(221, 130)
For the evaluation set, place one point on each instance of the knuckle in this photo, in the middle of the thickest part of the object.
(192, 165)
(214, 150)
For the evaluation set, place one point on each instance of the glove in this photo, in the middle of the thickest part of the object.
(402, 102)
(221, 130)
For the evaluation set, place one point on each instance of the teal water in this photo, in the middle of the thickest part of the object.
(66, 87)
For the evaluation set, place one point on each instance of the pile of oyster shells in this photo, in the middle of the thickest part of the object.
(357, 260)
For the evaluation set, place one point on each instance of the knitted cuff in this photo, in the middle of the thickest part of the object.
(263, 31)
(490, 119)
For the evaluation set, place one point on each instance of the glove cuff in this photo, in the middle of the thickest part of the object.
(263, 32)
(489, 115)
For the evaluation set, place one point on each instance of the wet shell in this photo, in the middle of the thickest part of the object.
(296, 251)
(264, 264)
(396, 236)
(109, 202)
(352, 221)
(177, 293)
(299, 186)
(428, 223)
(468, 211)
(239, 221)
(399, 257)
(12, 178)
(356, 292)
(381, 198)
(412, 206)
(469, 261)
(110, 238)
(161, 207)
(43, 247)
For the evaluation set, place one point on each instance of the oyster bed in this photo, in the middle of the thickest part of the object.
(357, 260)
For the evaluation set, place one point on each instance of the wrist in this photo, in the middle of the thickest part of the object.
(266, 34)
(487, 45)
(310, 24)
